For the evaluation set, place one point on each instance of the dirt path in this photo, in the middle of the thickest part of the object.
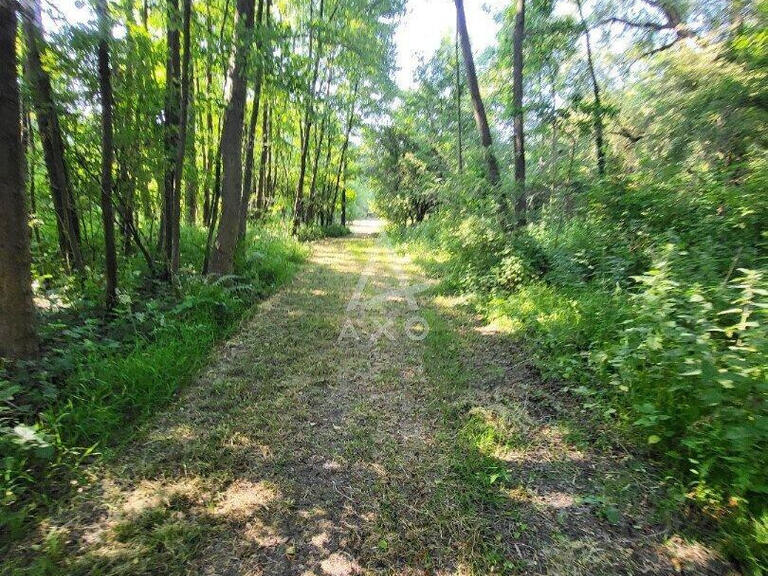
(357, 425)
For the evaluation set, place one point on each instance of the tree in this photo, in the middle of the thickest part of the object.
(481, 120)
(186, 87)
(171, 207)
(47, 115)
(597, 113)
(107, 154)
(223, 257)
(17, 314)
(249, 147)
(517, 103)
(459, 127)
(298, 204)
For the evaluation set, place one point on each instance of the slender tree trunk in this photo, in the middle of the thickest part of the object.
(298, 204)
(481, 120)
(459, 126)
(312, 204)
(208, 122)
(254, 120)
(309, 212)
(214, 210)
(323, 202)
(598, 114)
(169, 240)
(223, 256)
(191, 184)
(107, 155)
(53, 144)
(28, 144)
(271, 178)
(344, 198)
(517, 103)
(263, 159)
(343, 155)
(181, 144)
(18, 338)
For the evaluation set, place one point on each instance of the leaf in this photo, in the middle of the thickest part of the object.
(653, 439)
(611, 514)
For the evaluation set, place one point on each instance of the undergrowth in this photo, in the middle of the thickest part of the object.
(101, 376)
(653, 317)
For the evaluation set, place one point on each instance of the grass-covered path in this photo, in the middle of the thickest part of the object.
(360, 424)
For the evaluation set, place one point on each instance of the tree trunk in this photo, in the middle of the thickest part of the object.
(191, 184)
(17, 313)
(214, 209)
(67, 221)
(298, 204)
(598, 114)
(186, 83)
(517, 103)
(344, 198)
(263, 175)
(323, 202)
(169, 241)
(223, 256)
(459, 127)
(481, 120)
(343, 156)
(209, 161)
(309, 213)
(251, 142)
(107, 155)
(28, 144)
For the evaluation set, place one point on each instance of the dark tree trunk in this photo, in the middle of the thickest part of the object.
(209, 162)
(343, 156)
(67, 221)
(214, 210)
(107, 156)
(169, 240)
(263, 175)
(223, 255)
(598, 113)
(17, 313)
(344, 199)
(323, 202)
(191, 184)
(298, 204)
(186, 84)
(459, 127)
(309, 213)
(28, 144)
(517, 103)
(481, 120)
(251, 141)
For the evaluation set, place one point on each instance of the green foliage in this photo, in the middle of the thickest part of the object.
(645, 291)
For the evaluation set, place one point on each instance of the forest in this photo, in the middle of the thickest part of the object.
(565, 370)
